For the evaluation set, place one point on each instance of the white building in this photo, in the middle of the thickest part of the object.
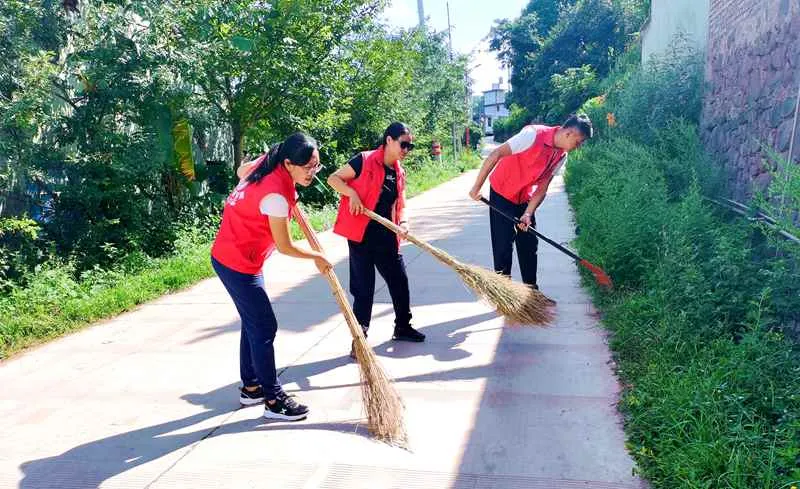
(494, 107)
(671, 18)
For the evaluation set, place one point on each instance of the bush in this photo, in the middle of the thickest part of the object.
(782, 197)
(19, 250)
(505, 128)
(568, 90)
(711, 397)
(623, 203)
(649, 98)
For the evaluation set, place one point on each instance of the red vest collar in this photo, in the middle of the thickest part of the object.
(549, 136)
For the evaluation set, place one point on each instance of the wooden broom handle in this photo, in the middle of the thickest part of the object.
(330, 275)
(389, 224)
(413, 239)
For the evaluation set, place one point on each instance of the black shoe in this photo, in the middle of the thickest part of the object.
(285, 408)
(353, 343)
(407, 333)
(251, 398)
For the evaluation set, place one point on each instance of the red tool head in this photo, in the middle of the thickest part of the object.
(600, 276)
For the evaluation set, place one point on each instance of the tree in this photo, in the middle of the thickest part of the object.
(272, 65)
(31, 34)
(516, 39)
(557, 59)
(108, 108)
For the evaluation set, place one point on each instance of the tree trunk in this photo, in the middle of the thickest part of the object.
(238, 143)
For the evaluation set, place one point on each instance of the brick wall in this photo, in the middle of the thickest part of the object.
(753, 73)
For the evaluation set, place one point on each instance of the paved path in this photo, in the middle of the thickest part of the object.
(149, 399)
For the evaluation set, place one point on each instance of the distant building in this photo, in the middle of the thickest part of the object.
(494, 107)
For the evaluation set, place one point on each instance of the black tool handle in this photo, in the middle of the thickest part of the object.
(531, 230)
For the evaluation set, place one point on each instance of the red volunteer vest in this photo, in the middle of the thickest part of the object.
(515, 175)
(244, 240)
(368, 186)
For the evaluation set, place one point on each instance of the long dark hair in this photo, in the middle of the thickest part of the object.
(395, 130)
(297, 148)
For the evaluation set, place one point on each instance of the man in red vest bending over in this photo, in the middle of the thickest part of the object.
(525, 165)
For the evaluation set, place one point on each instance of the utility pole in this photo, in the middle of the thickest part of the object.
(468, 105)
(450, 37)
(449, 31)
(421, 11)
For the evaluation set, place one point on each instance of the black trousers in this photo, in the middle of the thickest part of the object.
(505, 233)
(383, 255)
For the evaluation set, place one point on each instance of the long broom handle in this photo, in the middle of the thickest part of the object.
(532, 230)
(330, 275)
(447, 259)
(599, 274)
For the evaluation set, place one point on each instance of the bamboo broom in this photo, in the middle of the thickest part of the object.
(518, 302)
(381, 401)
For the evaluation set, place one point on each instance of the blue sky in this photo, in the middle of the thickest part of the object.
(471, 20)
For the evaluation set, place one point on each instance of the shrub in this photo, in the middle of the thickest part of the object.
(19, 250)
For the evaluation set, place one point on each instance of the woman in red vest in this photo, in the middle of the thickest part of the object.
(525, 165)
(255, 221)
(376, 180)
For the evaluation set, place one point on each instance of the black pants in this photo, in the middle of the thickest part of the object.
(256, 345)
(383, 255)
(505, 233)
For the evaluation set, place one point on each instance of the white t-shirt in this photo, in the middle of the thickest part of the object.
(274, 205)
(524, 139)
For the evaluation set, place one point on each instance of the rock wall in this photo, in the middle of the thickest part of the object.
(752, 75)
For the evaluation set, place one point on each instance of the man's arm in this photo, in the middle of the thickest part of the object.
(488, 165)
(518, 143)
(539, 195)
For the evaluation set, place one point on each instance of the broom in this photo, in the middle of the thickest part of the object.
(381, 401)
(600, 276)
(519, 302)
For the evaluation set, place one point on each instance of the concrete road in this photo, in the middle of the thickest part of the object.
(149, 399)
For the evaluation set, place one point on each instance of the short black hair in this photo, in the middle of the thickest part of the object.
(581, 122)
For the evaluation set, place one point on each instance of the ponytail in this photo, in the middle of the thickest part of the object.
(297, 148)
(395, 130)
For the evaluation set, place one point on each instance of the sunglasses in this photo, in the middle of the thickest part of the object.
(406, 146)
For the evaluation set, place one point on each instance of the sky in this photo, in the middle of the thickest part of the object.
(471, 22)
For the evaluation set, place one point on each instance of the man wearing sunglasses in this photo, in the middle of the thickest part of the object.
(375, 180)
(523, 169)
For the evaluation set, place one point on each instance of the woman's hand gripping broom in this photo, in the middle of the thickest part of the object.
(519, 302)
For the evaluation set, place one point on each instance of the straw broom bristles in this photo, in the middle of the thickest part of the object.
(381, 401)
(518, 302)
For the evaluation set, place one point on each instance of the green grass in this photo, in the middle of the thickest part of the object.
(55, 303)
(712, 386)
(432, 174)
(321, 218)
